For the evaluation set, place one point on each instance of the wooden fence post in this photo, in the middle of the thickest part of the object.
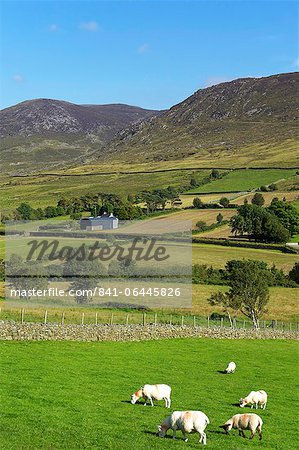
(170, 320)
(144, 319)
(244, 324)
(182, 321)
(82, 319)
(194, 321)
(22, 315)
(235, 323)
(156, 318)
(208, 321)
(46, 317)
(221, 322)
(96, 318)
(127, 319)
(111, 320)
(62, 318)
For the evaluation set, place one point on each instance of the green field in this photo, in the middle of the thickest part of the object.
(41, 191)
(69, 395)
(244, 180)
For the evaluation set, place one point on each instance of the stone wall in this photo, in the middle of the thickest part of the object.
(10, 330)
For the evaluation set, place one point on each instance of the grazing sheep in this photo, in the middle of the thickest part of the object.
(153, 391)
(257, 398)
(242, 422)
(231, 367)
(186, 422)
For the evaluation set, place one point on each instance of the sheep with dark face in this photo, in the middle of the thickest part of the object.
(242, 422)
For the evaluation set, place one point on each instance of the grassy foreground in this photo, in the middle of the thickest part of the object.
(71, 395)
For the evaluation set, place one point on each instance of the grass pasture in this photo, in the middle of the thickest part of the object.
(41, 191)
(217, 255)
(244, 180)
(290, 196)
(71, 395)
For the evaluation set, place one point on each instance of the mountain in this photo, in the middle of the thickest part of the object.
(248, 121)
(48, 133)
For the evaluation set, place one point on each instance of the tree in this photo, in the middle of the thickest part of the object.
(193, 182)
(224, 201)
(219, 218)
(258, 199)
(273, 187)
(263, 188)
(249, 291)
(215, 174)
(201, 225)
(287, 215)
(294, 273)
(26, 211)
(222, 300)
(197, 202)
(260, 224)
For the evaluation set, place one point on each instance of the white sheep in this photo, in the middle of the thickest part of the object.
(153, 391)
(186, 422)
(242, 422)
(257, 398)
(231, 367)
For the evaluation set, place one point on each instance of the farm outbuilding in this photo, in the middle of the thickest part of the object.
(104, 222)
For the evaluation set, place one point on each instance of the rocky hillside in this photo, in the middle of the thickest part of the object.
(52, 132)
(251, 119)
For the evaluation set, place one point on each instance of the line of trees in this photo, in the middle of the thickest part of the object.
(275, 223)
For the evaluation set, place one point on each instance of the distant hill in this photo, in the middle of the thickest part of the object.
(50, 133)
(248, 121)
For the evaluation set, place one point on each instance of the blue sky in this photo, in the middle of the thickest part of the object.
(147, 53)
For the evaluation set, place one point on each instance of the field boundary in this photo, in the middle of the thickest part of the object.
(123, 172)
(37, 332)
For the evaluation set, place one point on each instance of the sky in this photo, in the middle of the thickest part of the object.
(151, 54)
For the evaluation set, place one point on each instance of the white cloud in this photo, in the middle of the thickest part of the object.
(53, 27)
(89, 26)
(18, 78)
(143, 48)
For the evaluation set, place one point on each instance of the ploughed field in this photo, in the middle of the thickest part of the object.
(70, 395)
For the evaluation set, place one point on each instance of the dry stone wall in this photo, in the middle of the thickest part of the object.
(10, 330)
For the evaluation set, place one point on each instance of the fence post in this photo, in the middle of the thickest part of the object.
(127, 319)
(82, 319)
(62, 318)
(96, 318)
(244, 324)
(111, 320)
(46, 317)
(155, 320)
(235, 323)
(144, 319)
(208, 321)
(22, 315)
(194, 321)
(290, 326)
(170, 320)
(182, 321)
(221, 322)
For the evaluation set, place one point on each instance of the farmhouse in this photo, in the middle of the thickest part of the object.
(104, 222)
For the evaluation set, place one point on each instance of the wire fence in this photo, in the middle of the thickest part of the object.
(120, 317)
